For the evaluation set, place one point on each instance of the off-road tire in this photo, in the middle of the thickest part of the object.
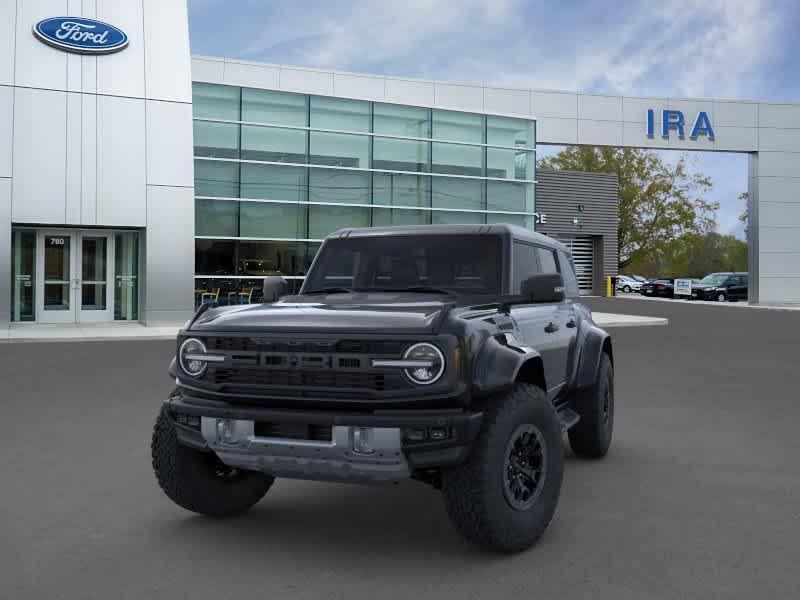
(198, 481)
(474, 492)
(591, 436)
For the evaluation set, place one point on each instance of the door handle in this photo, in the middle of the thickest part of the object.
(571, 323)
(551, 327)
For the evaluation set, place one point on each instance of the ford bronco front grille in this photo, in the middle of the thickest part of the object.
(268, 344)
(299, 378)
(301, 368)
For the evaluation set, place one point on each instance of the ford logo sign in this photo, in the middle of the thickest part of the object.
(84, 36)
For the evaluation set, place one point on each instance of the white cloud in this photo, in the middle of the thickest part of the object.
(674, 47)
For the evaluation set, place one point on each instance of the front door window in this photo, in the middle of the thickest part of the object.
(93, 273)
(57, 273)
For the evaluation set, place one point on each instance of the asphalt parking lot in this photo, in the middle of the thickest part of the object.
(699, 497)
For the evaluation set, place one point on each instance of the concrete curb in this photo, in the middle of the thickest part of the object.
(740, 304)
(46, 333)
(616, 320)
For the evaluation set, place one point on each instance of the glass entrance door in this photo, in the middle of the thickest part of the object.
(73, 280)
(56, 279)
(94, 295)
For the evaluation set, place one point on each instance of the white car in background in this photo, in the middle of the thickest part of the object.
(628, 284)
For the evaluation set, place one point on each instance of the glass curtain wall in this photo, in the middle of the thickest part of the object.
(23, 267)
(126, 276)
(276, 172)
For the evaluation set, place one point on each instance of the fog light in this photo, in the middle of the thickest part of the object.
(439, 433)
(362, 440)
(226, 431)
(416, 434)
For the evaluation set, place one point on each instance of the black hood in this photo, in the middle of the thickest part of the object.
(357, 312)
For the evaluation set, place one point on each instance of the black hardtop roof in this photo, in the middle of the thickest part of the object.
(505, 229)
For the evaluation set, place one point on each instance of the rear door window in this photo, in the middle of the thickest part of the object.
(525, 264)
(568, 271)
(547, 260)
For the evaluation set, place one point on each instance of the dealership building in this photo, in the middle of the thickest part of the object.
(137, 181)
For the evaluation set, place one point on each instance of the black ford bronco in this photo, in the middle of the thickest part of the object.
(456, 355)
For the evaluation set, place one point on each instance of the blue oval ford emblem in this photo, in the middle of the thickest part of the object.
(76, 34)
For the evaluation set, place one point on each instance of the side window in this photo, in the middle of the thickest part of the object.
(547, 260)
(568, 271)
(525, 264)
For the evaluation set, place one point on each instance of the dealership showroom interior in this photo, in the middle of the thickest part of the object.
(442, 248)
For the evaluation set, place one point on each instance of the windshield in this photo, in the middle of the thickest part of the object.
(713, 279)
(425, 263)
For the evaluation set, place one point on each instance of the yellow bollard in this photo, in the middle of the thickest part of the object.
(609, 288)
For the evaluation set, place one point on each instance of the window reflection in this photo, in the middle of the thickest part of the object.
(335, 185)
(267, 106)
(215, 101)
(459, 161)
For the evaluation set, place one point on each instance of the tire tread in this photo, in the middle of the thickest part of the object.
(185, 476)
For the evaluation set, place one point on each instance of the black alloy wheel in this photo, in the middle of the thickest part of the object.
(525, 467)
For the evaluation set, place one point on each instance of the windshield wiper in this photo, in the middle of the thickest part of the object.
(329, 290)
(419, 289)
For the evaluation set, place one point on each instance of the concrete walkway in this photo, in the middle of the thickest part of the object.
(616, 320)
(24, 332)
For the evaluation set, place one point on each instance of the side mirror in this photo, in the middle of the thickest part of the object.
(274, 288)
(544, 287)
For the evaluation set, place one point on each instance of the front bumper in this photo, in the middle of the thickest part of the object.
(235, 434)
(704, 294)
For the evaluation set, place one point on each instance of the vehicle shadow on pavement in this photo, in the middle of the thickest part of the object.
(327, 520)
(320, 520)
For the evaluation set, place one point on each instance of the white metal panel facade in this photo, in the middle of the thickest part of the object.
(73, 131)
(39, 196)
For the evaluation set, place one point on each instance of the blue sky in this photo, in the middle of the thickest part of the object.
(713, 48)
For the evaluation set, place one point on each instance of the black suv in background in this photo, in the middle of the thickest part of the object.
(455, 355)
(662, 288)
(721, 287)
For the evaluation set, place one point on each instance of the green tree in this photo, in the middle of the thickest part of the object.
(696, 255)
(745, 216)
(659, 202)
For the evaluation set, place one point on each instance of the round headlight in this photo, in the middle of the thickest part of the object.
(192, 366)
(431, 363)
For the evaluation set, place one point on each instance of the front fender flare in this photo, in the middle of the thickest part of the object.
(592, 341)
(498, 363)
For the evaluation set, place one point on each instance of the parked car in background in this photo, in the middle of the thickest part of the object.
(662, 288)
(721, 287)
(639, 278)
(628, 284)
